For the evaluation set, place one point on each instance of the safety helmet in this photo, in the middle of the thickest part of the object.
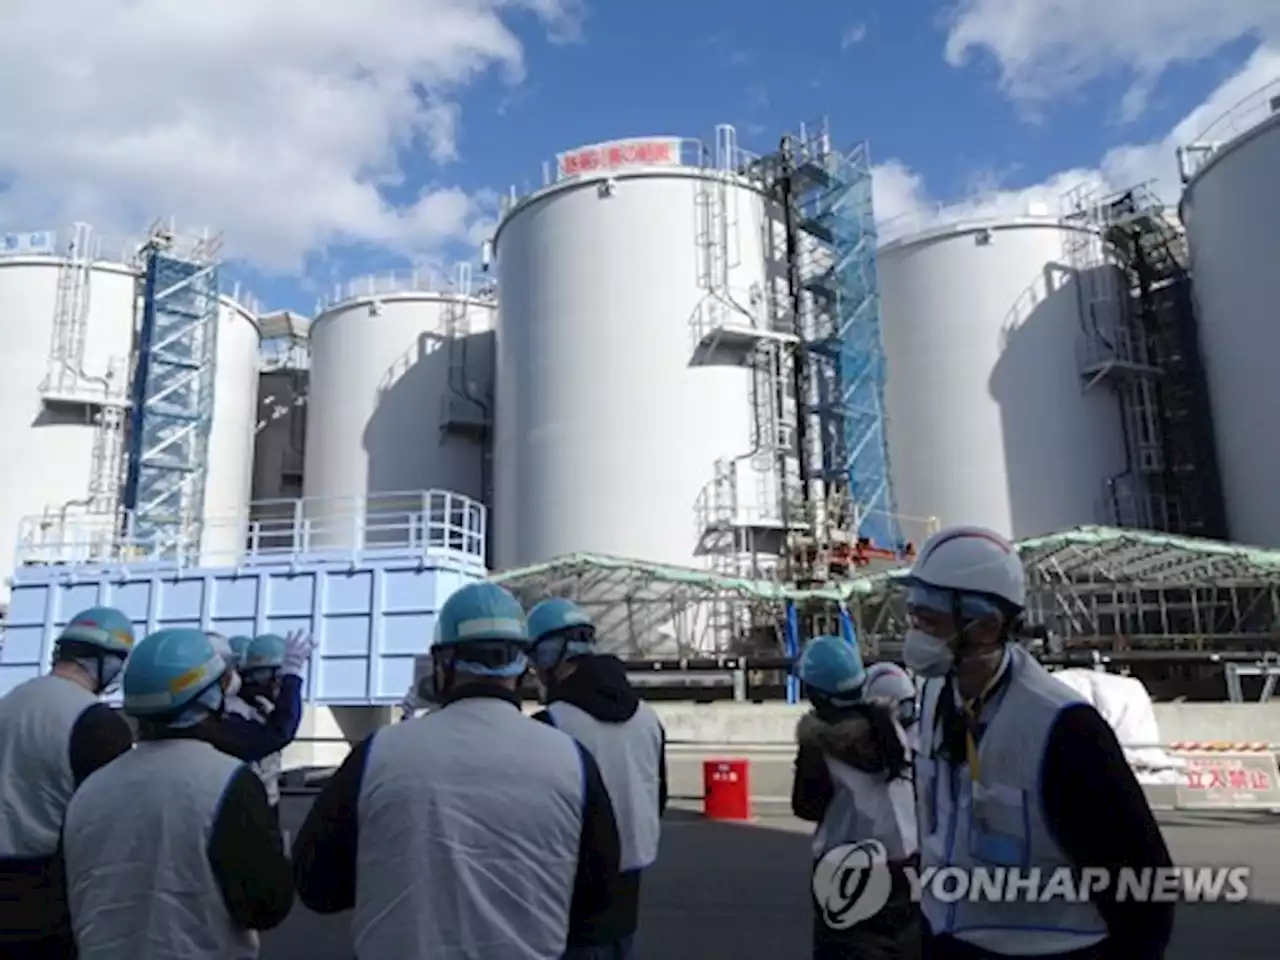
(239, 647)
(170, 670)
(553, 615)
(557, 619)
(889, 683)
(484, 612)
(265, 652)
(970, 561)
(104, 628)
(832, 666)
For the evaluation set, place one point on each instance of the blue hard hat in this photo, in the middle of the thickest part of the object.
(483, 612)
(264, 652)
(169, 670)
(239, 647)
(831, 665)
(557, 619)
(554, 615)
(103, 627)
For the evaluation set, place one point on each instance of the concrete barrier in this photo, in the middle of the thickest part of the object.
(326, 733)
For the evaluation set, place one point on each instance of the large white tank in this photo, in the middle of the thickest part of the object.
(1231, 209)
(399, 396)
(607, 434)
(58, 456)
(988, 420)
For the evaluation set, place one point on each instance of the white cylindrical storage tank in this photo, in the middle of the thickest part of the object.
(51, 423)
(607, 433)
(398, 402)
(1231, 210)
(988, 418)
(229, 479)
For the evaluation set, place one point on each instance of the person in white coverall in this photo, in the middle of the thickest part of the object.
(472, 833)
(588, 696)
(169, 852)
(1015, 770)
(54, 733)
(853, 778)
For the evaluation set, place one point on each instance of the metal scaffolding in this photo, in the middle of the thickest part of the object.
(1139, 340)
(811, 501)
(835, 291)
(173, 386)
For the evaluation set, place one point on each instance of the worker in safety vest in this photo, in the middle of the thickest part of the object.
(268, 662)
(473, 831)
(54, 732)
(245, 729)
(853, 778)
(589, 697)
(170, 853)
(1015, 770)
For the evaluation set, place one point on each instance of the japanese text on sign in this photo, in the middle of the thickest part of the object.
(661, 151)
(1239, 780)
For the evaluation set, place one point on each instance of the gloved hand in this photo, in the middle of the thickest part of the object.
(298, 647)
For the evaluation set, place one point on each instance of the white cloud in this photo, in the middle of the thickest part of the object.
(277, 122)
(1049, 48)
(903, 204)
(853, 35)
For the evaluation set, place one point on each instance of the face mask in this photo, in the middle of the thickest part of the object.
(233, 685)
(110, 673)
(927, 655)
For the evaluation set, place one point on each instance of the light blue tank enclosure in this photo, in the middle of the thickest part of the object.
(372, 610)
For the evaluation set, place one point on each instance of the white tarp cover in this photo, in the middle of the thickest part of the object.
(1125, 704)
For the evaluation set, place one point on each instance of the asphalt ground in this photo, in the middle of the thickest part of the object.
(732, 891)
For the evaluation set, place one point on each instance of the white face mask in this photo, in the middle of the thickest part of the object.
(233, 685)
(927, 655)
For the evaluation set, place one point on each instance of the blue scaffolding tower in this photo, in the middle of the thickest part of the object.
(175, 353)
(840, 333)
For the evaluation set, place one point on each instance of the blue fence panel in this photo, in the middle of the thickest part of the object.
(370, 618)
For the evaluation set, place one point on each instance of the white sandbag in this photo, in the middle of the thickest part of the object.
(1125, 704)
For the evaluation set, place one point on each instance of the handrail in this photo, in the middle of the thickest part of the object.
(413, 523)
(109, 250)
(1242, 116)
(422, 280)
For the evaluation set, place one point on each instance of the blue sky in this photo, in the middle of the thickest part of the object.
(366, 140)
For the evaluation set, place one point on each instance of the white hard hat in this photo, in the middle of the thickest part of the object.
(888, 681)
(971, 560)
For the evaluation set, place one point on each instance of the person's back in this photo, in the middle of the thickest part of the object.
(54, 733)
(590, 698)
(474, 762)
(169, 853)
(119, 867)
(472, 833)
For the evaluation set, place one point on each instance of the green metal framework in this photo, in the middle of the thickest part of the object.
(1096, 586)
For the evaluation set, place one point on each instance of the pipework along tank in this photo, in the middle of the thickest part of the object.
(65, 459)
(1231, 211)
(606, 435)
(988, 419)
(399, 400)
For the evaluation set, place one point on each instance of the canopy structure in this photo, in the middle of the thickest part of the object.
(1090, 583)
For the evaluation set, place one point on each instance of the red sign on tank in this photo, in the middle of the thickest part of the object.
(650, 152)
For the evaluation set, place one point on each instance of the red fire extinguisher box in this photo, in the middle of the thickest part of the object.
(726, 790)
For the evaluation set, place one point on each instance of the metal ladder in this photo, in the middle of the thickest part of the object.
(70, 317)
(108, 460)
(771, 433)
